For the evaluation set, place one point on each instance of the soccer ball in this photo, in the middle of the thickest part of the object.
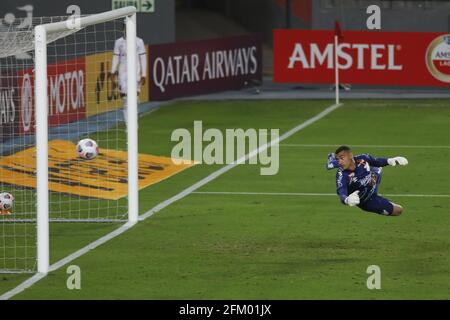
(6, 202)
(87, 149)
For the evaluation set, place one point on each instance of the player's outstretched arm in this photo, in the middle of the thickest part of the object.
(397, 160)
(382, 162)
(376, 162)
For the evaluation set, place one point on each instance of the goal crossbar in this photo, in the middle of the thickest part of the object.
(82, 22)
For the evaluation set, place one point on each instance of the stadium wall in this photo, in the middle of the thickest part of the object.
(157, 27)
(421, 16)
(265, 15)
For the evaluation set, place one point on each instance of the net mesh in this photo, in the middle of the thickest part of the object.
(17, 36)
(83, 102)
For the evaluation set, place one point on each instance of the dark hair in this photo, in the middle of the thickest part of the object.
(342, 148)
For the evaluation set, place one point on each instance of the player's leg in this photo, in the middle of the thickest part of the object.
(383, 206)
(125, 103)
(123, 94)
(398, 209)
(125, 107)
(137, 103)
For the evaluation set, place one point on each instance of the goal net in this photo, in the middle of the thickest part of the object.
(56, 88)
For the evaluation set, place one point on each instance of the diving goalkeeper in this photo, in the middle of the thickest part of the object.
(119, 67)
(358, 178)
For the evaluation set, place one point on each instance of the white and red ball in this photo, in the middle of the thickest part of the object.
(87, 149)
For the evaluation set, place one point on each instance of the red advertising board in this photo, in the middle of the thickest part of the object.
(66, 94)
(365, 57)
(198, 67)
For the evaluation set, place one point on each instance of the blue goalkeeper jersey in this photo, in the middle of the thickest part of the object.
(365, 178)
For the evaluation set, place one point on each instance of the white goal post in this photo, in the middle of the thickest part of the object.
(41, 33)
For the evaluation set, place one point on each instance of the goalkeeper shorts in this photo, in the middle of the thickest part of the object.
(377, 204)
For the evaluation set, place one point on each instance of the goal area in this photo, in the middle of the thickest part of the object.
(57, 88)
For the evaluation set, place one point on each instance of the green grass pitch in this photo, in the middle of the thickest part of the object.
(276, 246)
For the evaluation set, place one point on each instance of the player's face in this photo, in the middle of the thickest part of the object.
(345, 159)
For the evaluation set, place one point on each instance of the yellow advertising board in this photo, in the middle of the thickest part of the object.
(101, 92)
(104, 177)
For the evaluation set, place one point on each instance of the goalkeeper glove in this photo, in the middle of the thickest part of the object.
(352, 199)
(397, 160)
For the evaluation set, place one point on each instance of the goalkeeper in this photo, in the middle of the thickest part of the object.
(358, 178)
(119, 67)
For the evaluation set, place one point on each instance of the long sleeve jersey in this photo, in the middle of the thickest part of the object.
(364, 178)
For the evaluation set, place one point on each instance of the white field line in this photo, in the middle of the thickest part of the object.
(309, 194)
(29, 282)
(38, 276)
(362, 146)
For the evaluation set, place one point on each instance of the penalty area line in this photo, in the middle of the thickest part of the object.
(311, 194)
(37, 277)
